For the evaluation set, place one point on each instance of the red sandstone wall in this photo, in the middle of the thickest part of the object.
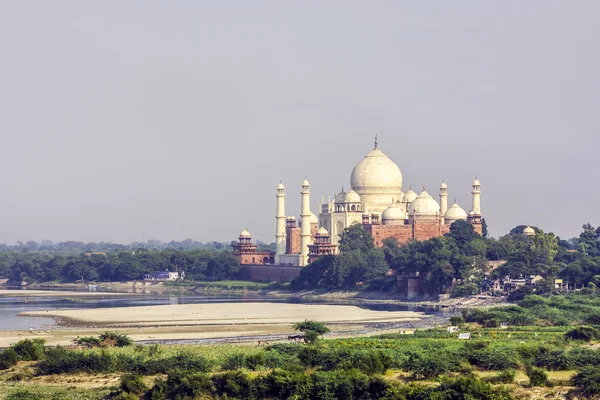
(402, 233)
(269, 273)
(405, 233)
(292, 244)
(255, 258)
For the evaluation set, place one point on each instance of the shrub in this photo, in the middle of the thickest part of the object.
(537, 376)
(231, 383)
(468, 387)
(430, 364)
(8, 358)
(133, 383)
(29, 350)
(506, 376)
(588, 381)
(180, 385)
(87, 341)
(494, 358)
(116, 338)
(585, 333)
(457, 320)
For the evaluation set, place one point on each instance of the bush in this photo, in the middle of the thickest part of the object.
(506, 376)
(430, 364)
(588, 381)
(8, 358)
(116, 338)
(29, 350)
(585, 333)
(180, 385)
(469, 387)
(133, 383)
(457, 320)
(537, 376)
(231, 383)
(494, 358)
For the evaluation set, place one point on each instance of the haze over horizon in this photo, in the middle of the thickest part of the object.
(179, 120)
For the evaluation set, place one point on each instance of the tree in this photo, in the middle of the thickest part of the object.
(223, 266)
(312, 330)
(484, 228)
(462, 232)
(355, 238)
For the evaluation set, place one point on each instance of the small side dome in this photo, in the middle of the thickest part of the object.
(376, 214)
(393, 215)
(292, 218)
(455, 213)
(471, 213)
(409, 196)
(305, 183)
(280, 186)
(443, 185)
(424, 206)
(352, 197)
(476, 182)
(528, 231)
(244, 234)
(313, 218)
(322, 232)
(340, 197)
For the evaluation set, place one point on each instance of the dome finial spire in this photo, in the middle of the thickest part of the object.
(376, 141)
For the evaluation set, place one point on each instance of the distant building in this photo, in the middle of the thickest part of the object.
(162, 276)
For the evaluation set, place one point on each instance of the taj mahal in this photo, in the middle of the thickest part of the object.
(376, 201)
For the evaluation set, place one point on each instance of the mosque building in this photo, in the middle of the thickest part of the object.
(376, 201)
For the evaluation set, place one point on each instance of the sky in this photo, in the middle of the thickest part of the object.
(174, 120)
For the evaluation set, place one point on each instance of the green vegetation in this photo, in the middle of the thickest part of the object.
(45, 266)
(570, 309)
(426, 364)
(106, 339)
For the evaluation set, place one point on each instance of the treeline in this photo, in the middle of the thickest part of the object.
(127, 265)
(458, 261)
(151, 244)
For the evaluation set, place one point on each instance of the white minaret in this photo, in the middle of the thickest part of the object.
(443, 200)
(305, 221)
(280, 228)
(476, 192)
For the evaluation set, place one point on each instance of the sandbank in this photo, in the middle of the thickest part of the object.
(223, 314)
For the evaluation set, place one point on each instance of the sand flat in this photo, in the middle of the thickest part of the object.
(225, 313)
(59, 293)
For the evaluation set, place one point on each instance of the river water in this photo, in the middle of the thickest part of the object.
(11, 307)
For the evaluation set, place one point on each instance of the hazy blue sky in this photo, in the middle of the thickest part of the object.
(179, 118)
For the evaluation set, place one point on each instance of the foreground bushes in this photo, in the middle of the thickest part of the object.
(23, 350)
(283, 384)
(60, 360)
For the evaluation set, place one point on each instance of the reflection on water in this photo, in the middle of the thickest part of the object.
(10, 307)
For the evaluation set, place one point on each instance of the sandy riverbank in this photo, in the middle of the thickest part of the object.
(58, 293)
(222, 314)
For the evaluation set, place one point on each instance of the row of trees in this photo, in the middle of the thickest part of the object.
(151, 244)
(116, 266)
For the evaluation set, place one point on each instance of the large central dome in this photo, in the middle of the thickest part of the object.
(377, 180)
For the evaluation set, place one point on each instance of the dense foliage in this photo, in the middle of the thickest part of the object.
(457, 263)
(43, 266)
